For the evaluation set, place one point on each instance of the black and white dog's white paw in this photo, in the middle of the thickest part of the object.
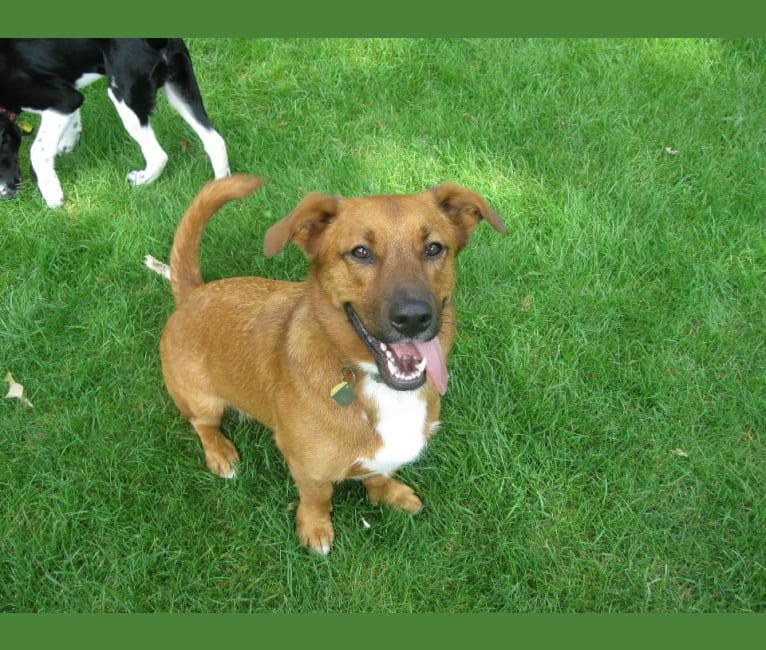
(52, 193)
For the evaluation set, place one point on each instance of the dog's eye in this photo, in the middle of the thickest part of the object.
(434, 250)
(362, 253)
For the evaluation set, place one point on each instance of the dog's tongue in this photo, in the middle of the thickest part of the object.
(431, 351)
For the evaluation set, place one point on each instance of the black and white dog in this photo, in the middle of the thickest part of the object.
(44, 75)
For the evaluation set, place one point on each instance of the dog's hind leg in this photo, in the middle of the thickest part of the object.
(221, 455)
(191, 111)
(141, 131)
(205, 413)
(184, 95)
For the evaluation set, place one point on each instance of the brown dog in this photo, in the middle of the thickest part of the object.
(345, 368)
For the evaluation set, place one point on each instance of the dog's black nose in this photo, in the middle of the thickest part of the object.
(410, 317)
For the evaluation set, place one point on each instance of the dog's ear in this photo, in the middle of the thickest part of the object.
(304, 225)
(465, 208)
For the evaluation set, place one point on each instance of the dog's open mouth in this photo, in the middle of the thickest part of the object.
(404, 365)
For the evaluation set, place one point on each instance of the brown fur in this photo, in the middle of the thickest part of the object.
(274, 349)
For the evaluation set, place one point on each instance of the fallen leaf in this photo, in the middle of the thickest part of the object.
(365, 524)
(680, 453)
(526, 303)
(160, 268)
(671, 151)
(16, 391)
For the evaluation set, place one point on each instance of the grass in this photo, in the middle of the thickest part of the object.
(602, 446)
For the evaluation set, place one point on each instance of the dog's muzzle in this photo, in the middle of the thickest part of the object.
(405, 364)
(10, 141)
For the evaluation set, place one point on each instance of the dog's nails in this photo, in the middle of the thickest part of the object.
(323, 549)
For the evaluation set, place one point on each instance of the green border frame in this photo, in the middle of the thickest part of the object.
(462, 630)
(395, 18)
(338, 18)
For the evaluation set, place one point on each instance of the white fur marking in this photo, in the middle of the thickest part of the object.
(87, 79)
(401, 426)
(153, 153)
(71, 135)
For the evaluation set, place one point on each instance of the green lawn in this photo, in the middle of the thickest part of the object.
(602, 446)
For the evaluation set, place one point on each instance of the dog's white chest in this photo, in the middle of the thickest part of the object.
(401, 427)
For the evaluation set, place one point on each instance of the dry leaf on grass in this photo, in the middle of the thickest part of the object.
(671, 151)
(16, 391)
(680, 453)
(526, 303)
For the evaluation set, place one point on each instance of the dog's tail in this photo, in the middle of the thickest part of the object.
(185, 273)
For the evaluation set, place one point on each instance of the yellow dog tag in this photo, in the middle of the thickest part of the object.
(342, 393)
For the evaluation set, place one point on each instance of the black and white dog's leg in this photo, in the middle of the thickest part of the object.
(71, 135)
(43, 152)
(194, 116)
(143, 134)
(183, 93)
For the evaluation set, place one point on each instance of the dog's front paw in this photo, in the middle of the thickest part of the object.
(155, 164)
(317, 534)
(223, 461)
(140, 177)
(404, 497)
(53, 196)
(393, 493)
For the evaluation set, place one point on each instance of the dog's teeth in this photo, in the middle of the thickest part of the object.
(402, 375)
(382, 346)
